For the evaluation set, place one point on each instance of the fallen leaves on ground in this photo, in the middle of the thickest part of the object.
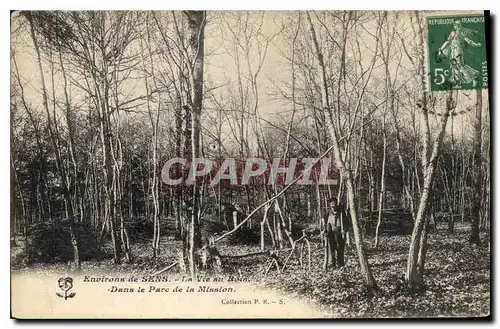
(457, 276)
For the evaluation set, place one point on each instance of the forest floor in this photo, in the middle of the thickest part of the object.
(457, 275)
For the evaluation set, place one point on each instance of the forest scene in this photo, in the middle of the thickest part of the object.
(101, 101)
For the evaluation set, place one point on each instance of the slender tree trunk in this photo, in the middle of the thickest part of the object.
(382, 186)
(196, 27)
(55, 145)
(344, 171)
(262, 227)
(478, 168)
(413, 273)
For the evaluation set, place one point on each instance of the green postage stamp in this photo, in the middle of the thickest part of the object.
(457, 53)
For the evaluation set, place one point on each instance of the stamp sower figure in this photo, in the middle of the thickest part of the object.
(336, 226)
(453, 50)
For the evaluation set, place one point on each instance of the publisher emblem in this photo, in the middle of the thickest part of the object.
(65, 284)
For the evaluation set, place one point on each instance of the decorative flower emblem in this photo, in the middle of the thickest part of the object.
(65, 284)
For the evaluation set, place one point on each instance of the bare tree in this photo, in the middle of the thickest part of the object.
(430, 152)
(54, 137)
(196, 31)
(344, 170)
(478, 165)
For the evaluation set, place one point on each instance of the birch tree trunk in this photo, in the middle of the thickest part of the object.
(55, 145)
(196, 27)
(476, 207)
(382, 186)
(418, 241)
(344, 171)
(154, 118)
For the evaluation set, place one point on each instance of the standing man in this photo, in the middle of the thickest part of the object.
(336, 226)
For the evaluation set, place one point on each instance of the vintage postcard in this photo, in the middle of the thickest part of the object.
(250, 164)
